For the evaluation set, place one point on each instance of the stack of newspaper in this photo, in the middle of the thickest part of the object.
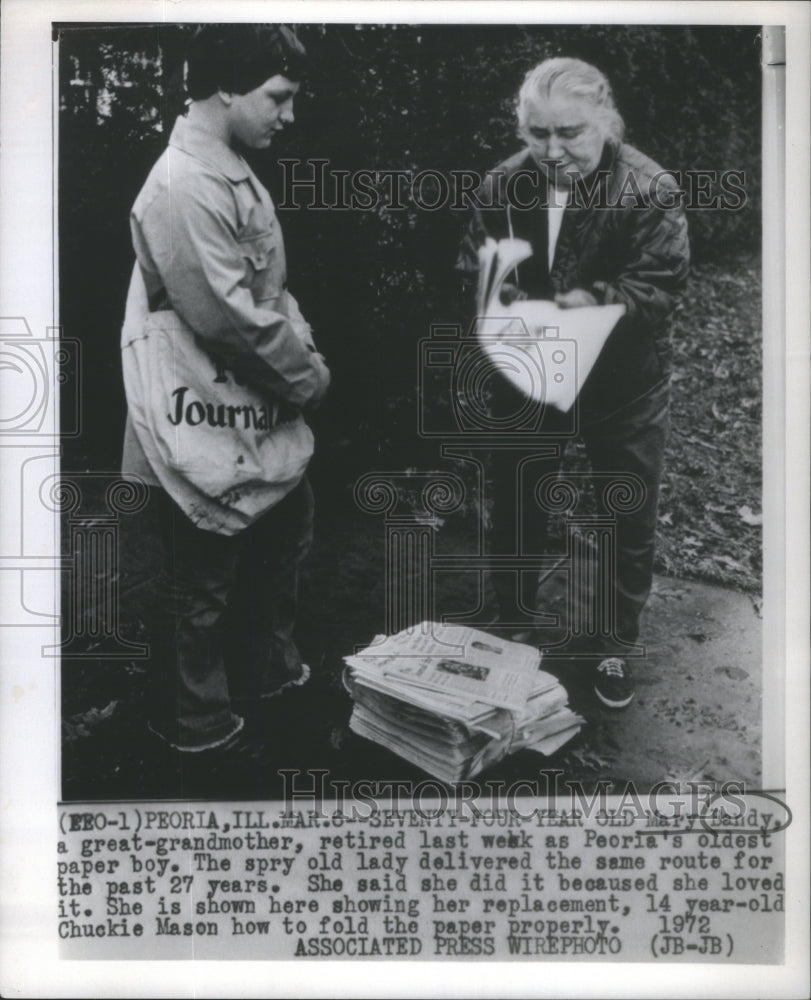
(453, 700)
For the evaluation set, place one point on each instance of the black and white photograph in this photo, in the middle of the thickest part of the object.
(409, 447)
(374, 468)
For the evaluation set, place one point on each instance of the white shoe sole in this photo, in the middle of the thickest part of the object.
(297, 683)
(615, 704)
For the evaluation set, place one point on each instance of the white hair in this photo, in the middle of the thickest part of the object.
(574, 78)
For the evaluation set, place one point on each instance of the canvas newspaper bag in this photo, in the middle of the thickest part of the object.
(218, 448)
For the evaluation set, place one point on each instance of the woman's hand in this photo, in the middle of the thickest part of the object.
(510, 293)
(575, 299)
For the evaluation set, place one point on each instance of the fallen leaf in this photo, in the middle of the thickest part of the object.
(79, 725)
(748, 516)
(732, 563)
(95, 715)
(701, 444)
(734, 673)
(590, 760)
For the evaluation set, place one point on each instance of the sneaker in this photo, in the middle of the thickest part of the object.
(612, 682)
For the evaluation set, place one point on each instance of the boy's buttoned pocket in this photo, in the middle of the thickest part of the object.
(263, 274)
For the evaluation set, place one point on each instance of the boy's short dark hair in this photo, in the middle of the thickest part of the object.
(238, 58)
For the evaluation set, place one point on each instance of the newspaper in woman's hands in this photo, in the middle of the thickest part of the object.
(545, 351)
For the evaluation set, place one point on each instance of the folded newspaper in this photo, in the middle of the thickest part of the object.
(546, 351)
(454, 700)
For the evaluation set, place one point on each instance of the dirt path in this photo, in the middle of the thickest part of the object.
(697, 711)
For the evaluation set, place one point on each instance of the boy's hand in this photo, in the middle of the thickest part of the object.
(323, 381)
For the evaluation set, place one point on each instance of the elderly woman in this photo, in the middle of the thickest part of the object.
(606, 226)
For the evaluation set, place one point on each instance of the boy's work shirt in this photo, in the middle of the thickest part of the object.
(209, 246)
